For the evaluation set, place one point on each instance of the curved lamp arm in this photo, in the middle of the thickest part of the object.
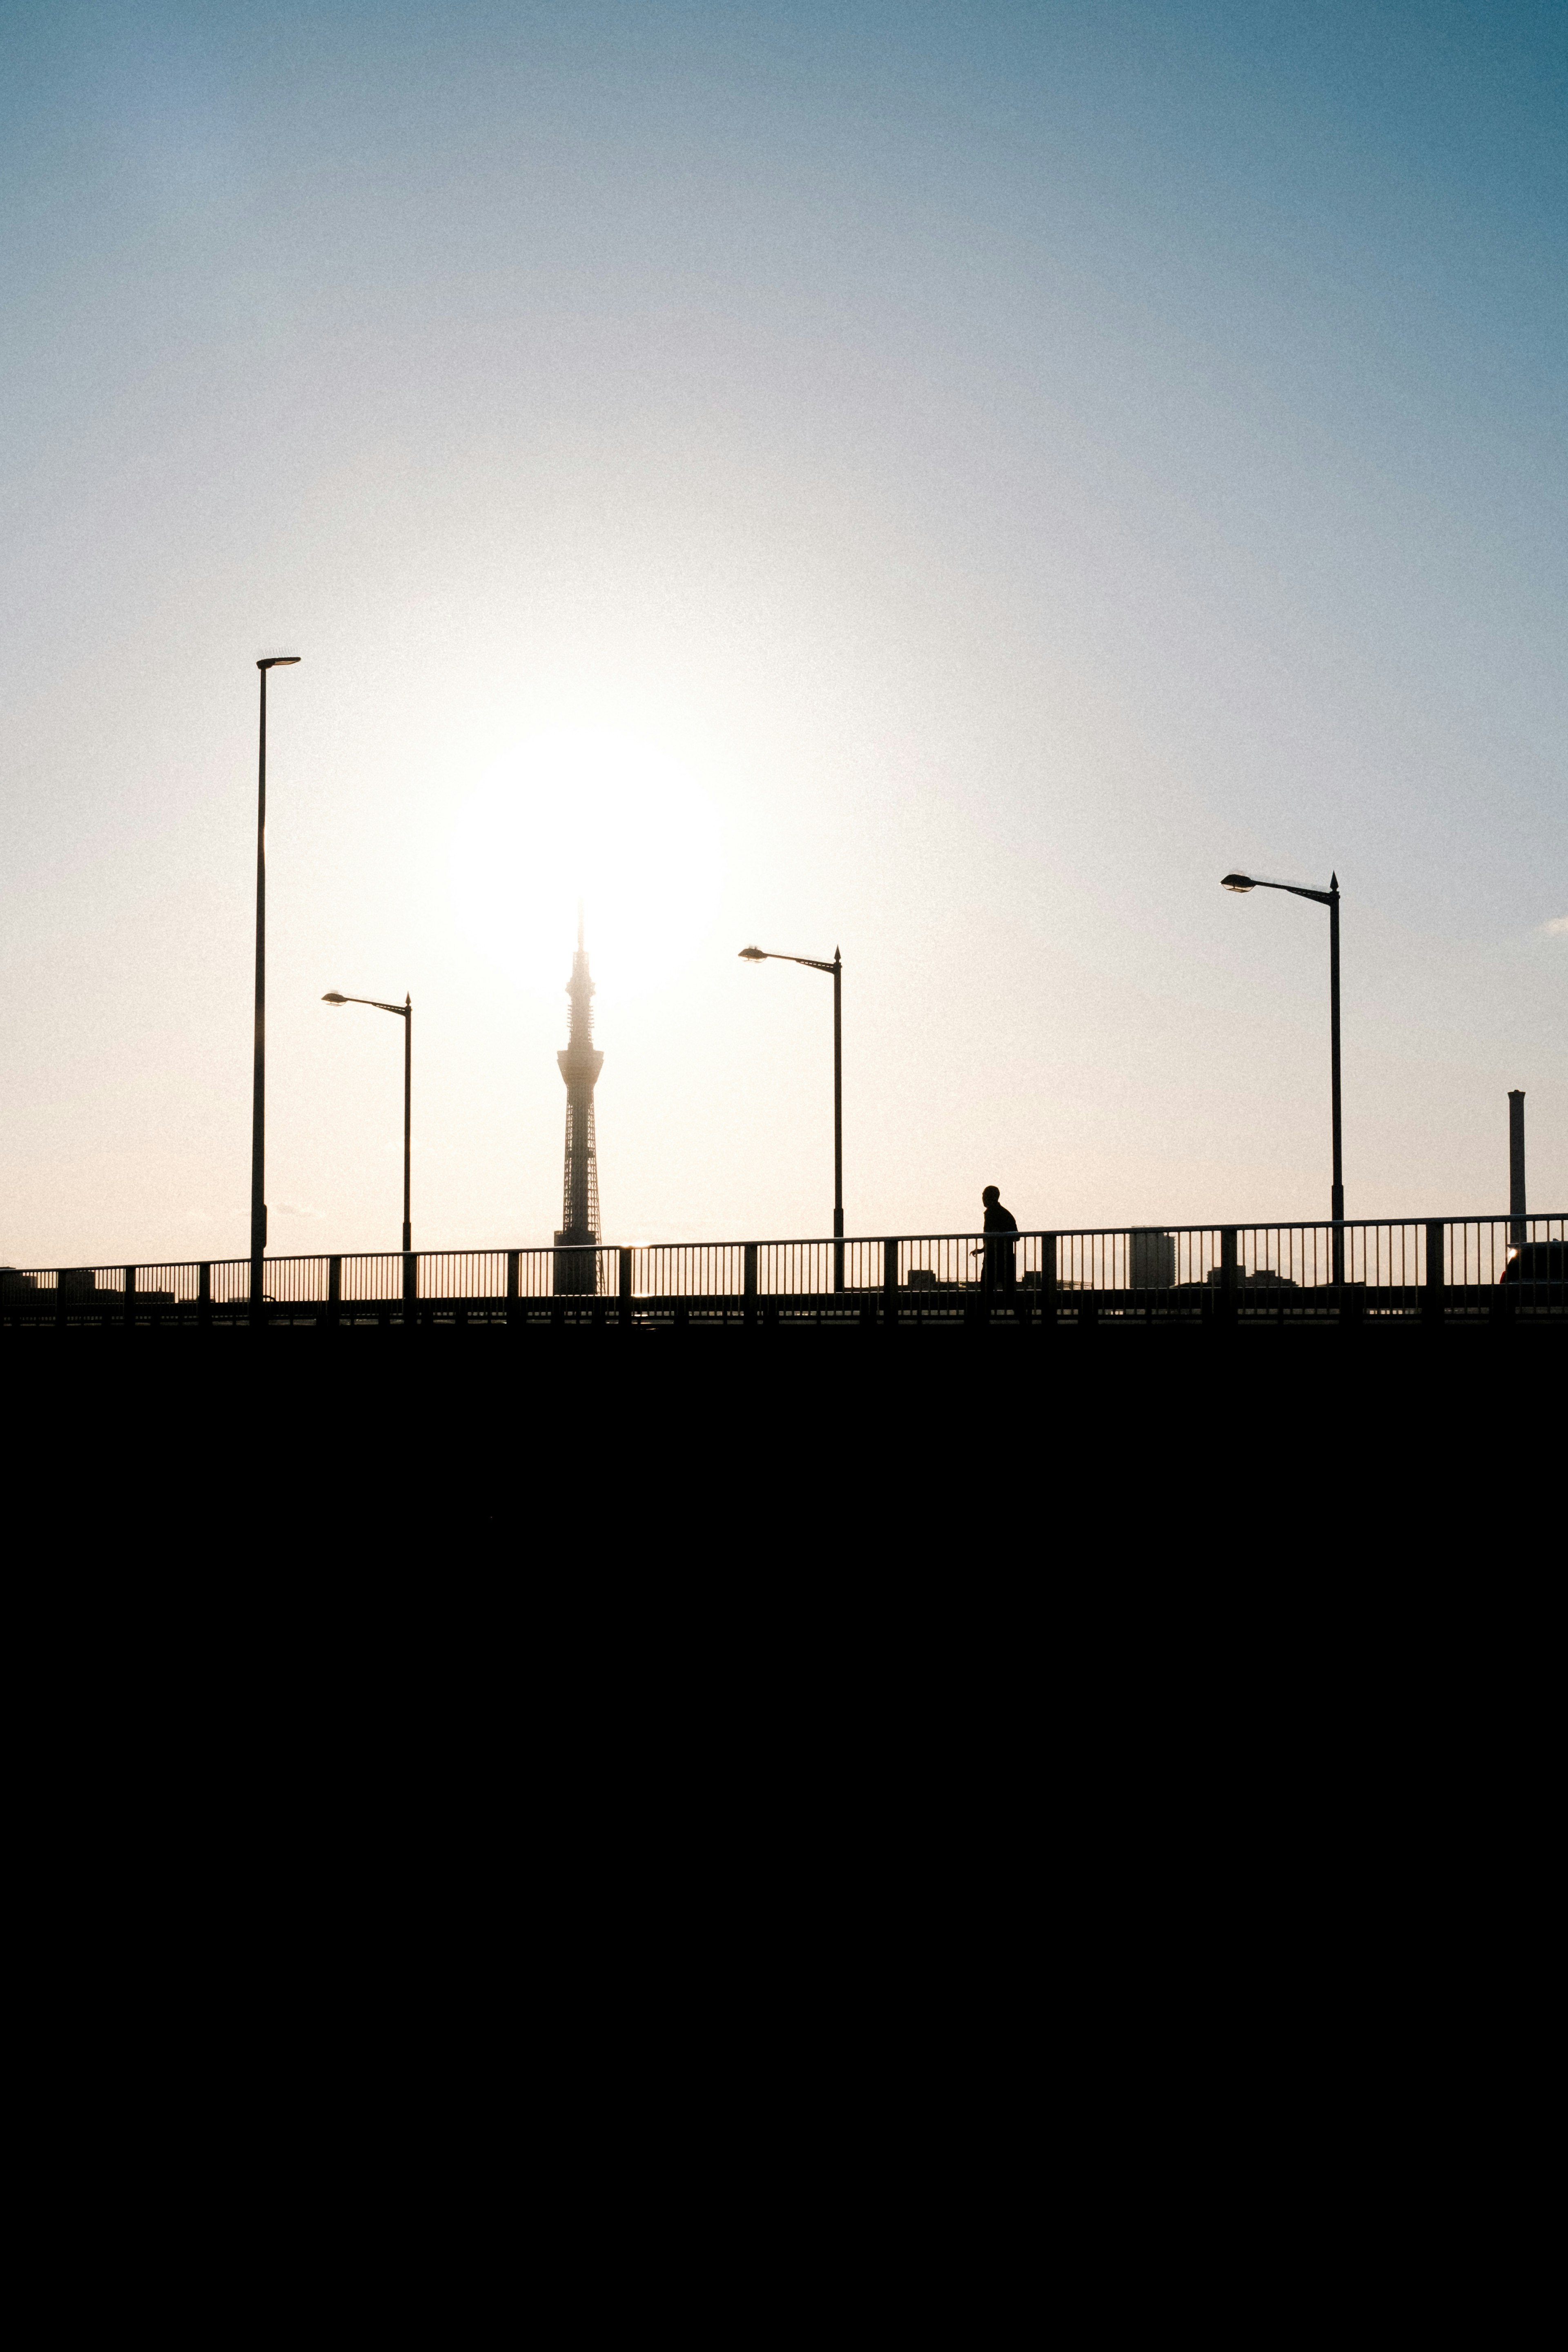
(770, 955)
(402, 1011)
(1240, 882)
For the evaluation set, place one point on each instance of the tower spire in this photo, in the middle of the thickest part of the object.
(580, 1065)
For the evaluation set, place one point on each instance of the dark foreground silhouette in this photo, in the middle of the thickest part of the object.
(289, 1450)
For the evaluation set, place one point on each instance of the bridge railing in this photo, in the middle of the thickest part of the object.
(1384, 1269)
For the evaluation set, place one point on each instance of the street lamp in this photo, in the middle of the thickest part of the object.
(405, 1014)
(1329, 899)
(259, 1080)
(814, 963)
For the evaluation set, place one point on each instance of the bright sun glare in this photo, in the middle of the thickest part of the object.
(581, 813)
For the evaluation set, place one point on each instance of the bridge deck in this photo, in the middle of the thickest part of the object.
(922, 1309)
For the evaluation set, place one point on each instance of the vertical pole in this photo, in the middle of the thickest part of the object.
(624, 1288)
(131, 1297)
(1516, 1209)
(890, 1282)
(1336, 1201)
(334, 1292)
(748, 1286)
(1227, 1274)
(838, 1121)
(205, 1293)
(407, 1115)
(258, 1075)
(1048, 1282)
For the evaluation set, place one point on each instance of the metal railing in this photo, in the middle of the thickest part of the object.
(1394, 1270)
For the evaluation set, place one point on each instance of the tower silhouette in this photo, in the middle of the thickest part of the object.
(580, 1067)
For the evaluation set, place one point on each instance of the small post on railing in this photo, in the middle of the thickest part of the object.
(623, 1287)
(748, 1309)
(890, 1282)
(204, 1294)
(1432, 1295)
(410, 1290)
(334, 1293)
(1048, 1282)
(515, 1317)
(62, 1293)
(131, 1297)
(1229, 1275)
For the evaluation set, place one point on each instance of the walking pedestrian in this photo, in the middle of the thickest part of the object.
(1001, 1270)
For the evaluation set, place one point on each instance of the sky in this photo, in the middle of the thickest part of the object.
(946, 483)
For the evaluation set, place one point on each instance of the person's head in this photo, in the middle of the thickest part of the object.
(990, 1196)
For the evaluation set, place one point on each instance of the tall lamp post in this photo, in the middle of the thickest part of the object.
(258, 1079)
(814, 963)
(405, 1014)
(1329, 899)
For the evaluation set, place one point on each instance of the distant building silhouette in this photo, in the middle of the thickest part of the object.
(579, 1066)
(1151, 1260)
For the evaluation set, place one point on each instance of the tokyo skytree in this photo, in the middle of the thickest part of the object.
(580, 1067)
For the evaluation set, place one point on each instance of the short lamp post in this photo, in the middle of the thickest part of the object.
(814, 963)
(405, 1014)
(1329, 899)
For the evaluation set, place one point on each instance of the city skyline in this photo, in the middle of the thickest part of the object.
(967, 482)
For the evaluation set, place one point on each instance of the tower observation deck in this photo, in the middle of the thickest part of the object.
(579, 1066)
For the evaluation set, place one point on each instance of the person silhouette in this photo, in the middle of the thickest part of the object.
(1001, 1271)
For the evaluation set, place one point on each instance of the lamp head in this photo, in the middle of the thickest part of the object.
(278, 661)
(1238, 882)
(755, 955)
(332, 997)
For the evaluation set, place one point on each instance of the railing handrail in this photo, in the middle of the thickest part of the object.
(815, 1241)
